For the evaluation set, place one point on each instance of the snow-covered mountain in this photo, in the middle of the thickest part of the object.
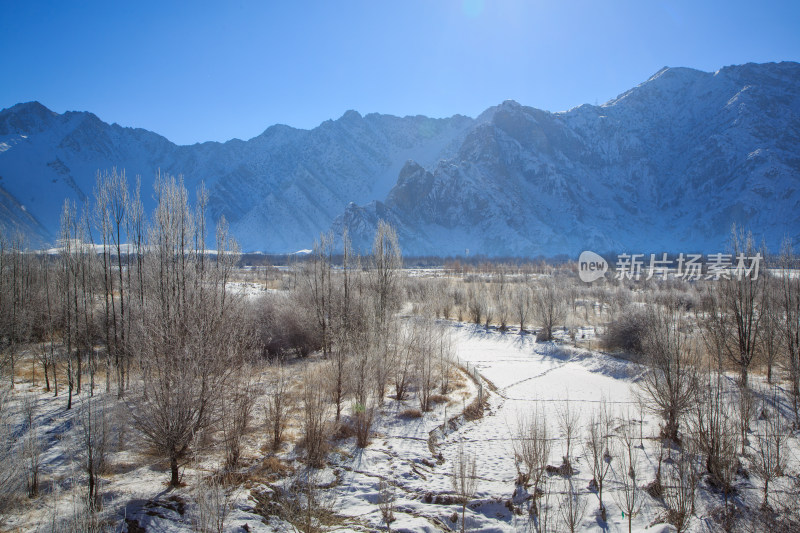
(667, 166)
(278, 191)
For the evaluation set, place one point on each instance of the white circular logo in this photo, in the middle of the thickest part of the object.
(591, 266)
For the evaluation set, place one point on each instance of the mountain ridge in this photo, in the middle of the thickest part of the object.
(515, 180)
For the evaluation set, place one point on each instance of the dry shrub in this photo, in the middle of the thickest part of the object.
(626, 333)
(284, 329)
(474, 410)
(344, 430)
(439, 398)
(411, 413)
(316, 428)
(362, 420)
(272, 469)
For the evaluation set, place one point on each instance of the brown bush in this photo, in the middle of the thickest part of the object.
(411, 413)
(626, 333)
(474, 410)
(285, 329)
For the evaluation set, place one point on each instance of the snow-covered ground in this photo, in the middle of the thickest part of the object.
(518, 373)
(415, 456)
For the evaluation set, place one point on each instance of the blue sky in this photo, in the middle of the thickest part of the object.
(197, 71)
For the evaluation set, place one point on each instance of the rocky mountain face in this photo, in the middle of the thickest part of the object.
(667, 166)
(278, 191)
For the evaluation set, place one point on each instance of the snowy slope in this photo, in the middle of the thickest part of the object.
(666, 166)
(278, 190)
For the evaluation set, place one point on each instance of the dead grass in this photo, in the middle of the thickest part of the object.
(271, 469)
(439, 398)
(411, 413)
(344, 430)
(474, 410)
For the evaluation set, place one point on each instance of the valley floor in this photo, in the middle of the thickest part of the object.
(414, 457)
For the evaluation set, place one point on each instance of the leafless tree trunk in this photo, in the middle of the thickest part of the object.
(568, 417)
(521, 305)
(599, 449)
(790, 305)
(747, 412)
(386, 499)
(670, 381)
(715, 433)
(236, 408)
(316, 430)
(768, 461)
(31, 446)
(277, 406)
(94, 443)
(465, 480)
(532, 452)
(742, 297)
(629, 497)
(572, 507)
(549, 309)
(191, 333)
(682, 479)
(11, 464)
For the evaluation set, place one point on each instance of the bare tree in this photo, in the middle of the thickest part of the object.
(190, 331)
(364, 416)
(236, 407)
(568, 417)
(32, 449)
(476, 303)
(532, 452)
(629, 497)
(682, 479)
(747, 411)
(214, 504)
(768, 461)
(336, 368)
(426, 363)
(715, 433)
(315, 427)
(464, 480)
(790, 307)
(406, 349)
(386, 499)
(770, 335)
(446, 354)
(386, 262)
(572, 507)
(11, 475)
(276, 407)
(599, 449)
(319, 287)
(501, 299)
(742, 297)
(521, 303)
(549, 309)
(94, 445)
(670, 380)
(16, 300)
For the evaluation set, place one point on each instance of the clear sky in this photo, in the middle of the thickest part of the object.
(197, 71)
